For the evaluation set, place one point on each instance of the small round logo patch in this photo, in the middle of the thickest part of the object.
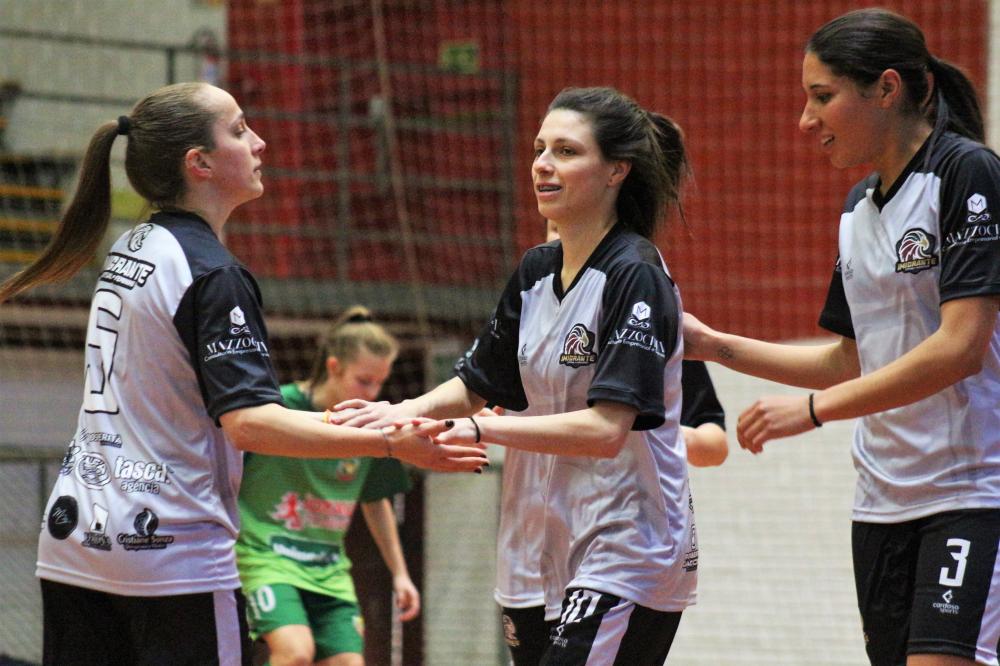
(63, 517)
(145, 522)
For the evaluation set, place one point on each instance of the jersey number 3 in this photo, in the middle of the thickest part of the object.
(102, 342)
(961, 557)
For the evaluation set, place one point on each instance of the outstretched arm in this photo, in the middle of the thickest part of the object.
(808, 366)
(450, 399)
(599, 431)
(952, 353)
(276, 430)
(381, 521)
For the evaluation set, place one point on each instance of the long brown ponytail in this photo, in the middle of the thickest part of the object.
(82, 225)
(162, 127)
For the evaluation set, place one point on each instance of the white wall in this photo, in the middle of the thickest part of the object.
(38, 126)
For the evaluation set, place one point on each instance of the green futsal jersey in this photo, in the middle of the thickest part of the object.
(296, 511)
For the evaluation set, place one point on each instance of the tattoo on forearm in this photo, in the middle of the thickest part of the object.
(725, 353)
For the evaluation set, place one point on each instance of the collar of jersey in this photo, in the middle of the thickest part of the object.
(911, 166)
(176, 213)
(591, 260)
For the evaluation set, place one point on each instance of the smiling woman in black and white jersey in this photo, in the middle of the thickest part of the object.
(585, 346)
(519, 589)
(914, 301)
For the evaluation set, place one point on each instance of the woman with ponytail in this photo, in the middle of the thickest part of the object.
(136, 554)
(913, 303)
(295, 514)
(585, 345)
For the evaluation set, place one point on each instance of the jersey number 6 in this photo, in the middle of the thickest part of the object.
(102, 341)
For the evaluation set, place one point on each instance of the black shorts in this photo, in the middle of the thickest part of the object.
(599, 628)
(930, 586)
(526, 633)
(89, 628)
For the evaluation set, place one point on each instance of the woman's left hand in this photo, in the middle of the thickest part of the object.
(772, 417)
(407, 597)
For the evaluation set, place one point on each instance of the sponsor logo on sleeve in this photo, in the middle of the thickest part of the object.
(639, 318)
(578, 347)
(63, 517)
(125, 271)
(636, 331)
(916, 251)
(241, 340)
(979, 225)
(96, 536)
(978, 210)
(238, 321)
(145, 538)
(138, 236)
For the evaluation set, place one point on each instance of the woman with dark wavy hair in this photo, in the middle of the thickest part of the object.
(585, 347)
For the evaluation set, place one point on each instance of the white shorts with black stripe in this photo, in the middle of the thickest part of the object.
(601, 629)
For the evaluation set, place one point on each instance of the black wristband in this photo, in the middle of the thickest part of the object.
(812, 413)
(479, 434)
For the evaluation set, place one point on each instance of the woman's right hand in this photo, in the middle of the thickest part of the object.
(414, 443)
(359, 413)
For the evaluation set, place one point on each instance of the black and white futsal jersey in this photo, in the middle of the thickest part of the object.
(623, 525)
(934, 237)
(522, 514)
(145, 503)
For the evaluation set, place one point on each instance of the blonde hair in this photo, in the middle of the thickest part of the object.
(347, 335)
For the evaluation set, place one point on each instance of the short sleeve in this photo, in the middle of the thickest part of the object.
(836, 314)
(232, 359)
(490, 368)
(386, 477)
(700, 404)
(970, 226)
(639, 332)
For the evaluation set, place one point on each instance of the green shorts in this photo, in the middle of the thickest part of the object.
(336, 624)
